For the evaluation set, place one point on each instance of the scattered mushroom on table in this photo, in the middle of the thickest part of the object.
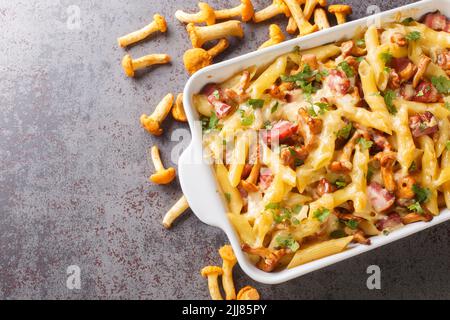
(130, 66)
(199, 58)
(200, 35)
(162, 175)
(276, 36)
(158, 24)
(153, 122)
(205, 15)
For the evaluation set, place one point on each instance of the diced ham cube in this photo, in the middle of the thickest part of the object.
(209, 89)
(338, 82)
(436, 21)
(426, 93)
(280, 131)
(324, 187)
(390, 222)
(379, 197)
(221, 108)
(423, 124)
(265, 178)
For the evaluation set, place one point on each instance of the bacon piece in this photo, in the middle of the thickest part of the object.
(338, 82)
(389, 222)
(265, 178)
(379, 197)
(426, 93)
(423, 124)
(404, 67)
(209, 89)
(269, 259)
(436, 21)
(221, 108)
(324, 187)
(280, 131)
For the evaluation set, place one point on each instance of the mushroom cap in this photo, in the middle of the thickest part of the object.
(211, 270)
(340, 8)
(127, 64)
(164, 177)
(161, 22)
(208, 12)
(178, 112)
(275, 33)
(151, 125)
(283, 7)
(226, 253)
(248, 11)
(192, 31)
(196, 59)
(248, 293)
(323, 3)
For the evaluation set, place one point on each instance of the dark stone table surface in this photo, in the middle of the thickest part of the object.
(74, 168)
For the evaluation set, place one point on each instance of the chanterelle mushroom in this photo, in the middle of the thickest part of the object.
(310, 5)
(321, 19)
(245, 10)
(212, 273)
(341, 11)
(178, 109)
(176, 211)
(158, 24)
(248, 293)
(201, 35)
(162, 175)
(297, 13)
(276, 36)
(206, 14)
(130, 66)
(229, 261)
(269, 259)
(153, 123)
(198, 58)
(277, 7)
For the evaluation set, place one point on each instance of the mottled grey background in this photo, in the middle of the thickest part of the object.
(73, 169)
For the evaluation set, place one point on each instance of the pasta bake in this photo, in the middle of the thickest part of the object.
(327, 147)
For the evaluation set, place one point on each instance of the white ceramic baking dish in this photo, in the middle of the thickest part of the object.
(197, 177)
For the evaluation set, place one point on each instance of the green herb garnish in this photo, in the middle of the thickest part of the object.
(447, 145)
(389, 97)
(287, 242)
(422, 194)
(216, 94)
(416, 207)
(407, 21)
(228, 197)
(321, 214)
(323, 107)
(256, 103)
(246, 120)
(213, 121)
(274, 108)
(340, 184)
(346, 68)
(365, 144)
(344, 133)
(413, 36)
(360, 43)
(272, 206)
(336, 234)
(352, 224)
(386, 57)
(442, 84)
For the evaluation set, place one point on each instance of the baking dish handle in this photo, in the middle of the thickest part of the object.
(199, 186)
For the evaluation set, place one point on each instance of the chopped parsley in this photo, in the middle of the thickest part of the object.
(339, 233)
(228, 197)
(344, 133)
(256, 103)
(407, 21)
(287, 242)
(272, 206)
(413, 36)
(246, 120)
(416, 207)
(389, 97)
(297, 209)
(321, 214)
(442, 84)
(413, 167)
(447, 105)
(213, 121)
(370, 172)
(422, 194)
(360, 43)
(447, 145)
(346, 68)
(303, 80)
(285, 214)
(323, 107)
(216, 94)
(386, 57)
(340, 183)
(274, 108)
(420, 93)
(365, 144)
(352, 224)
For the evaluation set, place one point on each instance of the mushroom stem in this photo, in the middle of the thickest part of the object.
(321, 19)
(291, 26)
(341, 11)
(201, 35)
(297, 13)
(229, 261)
(276, 8)
(175, 212)
(213, 273)
(245, 9)
(276, 36)
(158, 24)
(220, 47)
(250, 183)
(130, 66)
(310, 5)
(206, 14)
(178, 112)
(156, 158)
